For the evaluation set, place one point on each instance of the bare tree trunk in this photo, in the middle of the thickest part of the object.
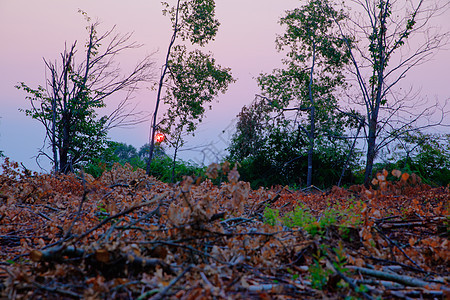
(371, 144)
(312, 122)
(377, 89)
(174, 161)
(65, 145)
(53, 138)
(160, 86)
(311, 149)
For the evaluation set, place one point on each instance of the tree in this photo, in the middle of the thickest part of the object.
(144, 152)
(425, 154)
(272, 151)
(125, 153)
(195, 80)
(316, 56)
(67, 107)
(190, 79)
(381, 59)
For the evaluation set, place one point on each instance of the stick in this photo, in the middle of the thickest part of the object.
(399, 248)
(163, 293)
(56, 290)
(405, 280)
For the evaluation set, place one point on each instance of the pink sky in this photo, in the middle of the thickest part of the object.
(31, 30)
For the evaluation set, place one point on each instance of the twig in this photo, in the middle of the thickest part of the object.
(398, 247)
(350, 281)
(83, 199)
(56, 253)
(56, 290)
(186, 247)
(40, 214)
(311, 187)
(263, 204)
(127, 211)
(208, 283)
(397, 263)
(237, 219)
(163, 293)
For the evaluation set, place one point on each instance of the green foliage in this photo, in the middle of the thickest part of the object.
(431, 159)
(273, 140)
(194, 20)
(318, 274)
(427, 155)
(271, 152)
(312, 45)
(271, 216)
(162, 169)
(161, 166)
(301, 217)
(193, 78)
(78, 127)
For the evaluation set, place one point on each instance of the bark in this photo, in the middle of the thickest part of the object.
(371, 144)
(65, 145)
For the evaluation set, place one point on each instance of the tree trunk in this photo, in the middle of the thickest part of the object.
(380, 66)
(311, 148)
(53, 139)
(65, 145)
(370, 151)
(312, 121)
(160, 86)
(177, 146)
(174, 164)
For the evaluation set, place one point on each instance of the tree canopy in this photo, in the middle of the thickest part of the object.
(67, 107)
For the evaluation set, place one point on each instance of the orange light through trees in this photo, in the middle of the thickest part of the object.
(159, 137)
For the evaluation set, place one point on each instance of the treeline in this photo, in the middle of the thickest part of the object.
(332, 114)
(162, 167)
(425, 155)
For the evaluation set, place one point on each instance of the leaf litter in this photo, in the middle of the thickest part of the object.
(125, 235)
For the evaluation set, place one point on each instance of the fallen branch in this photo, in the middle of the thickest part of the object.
(405, 280)
(411, 268)
(58, 291)
(56, 253)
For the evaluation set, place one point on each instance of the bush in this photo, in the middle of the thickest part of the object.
(427, 155)
(161, 166)
(291, 169)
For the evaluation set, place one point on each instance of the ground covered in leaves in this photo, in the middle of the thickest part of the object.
(129, 236)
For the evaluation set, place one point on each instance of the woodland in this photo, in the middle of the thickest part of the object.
(318, 198)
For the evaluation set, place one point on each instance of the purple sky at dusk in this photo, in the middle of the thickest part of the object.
(31, 30)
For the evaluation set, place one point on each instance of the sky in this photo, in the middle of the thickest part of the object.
(33, 30)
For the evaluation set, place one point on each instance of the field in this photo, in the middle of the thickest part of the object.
(129, 236)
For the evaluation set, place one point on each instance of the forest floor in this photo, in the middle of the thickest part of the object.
(129, 236)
